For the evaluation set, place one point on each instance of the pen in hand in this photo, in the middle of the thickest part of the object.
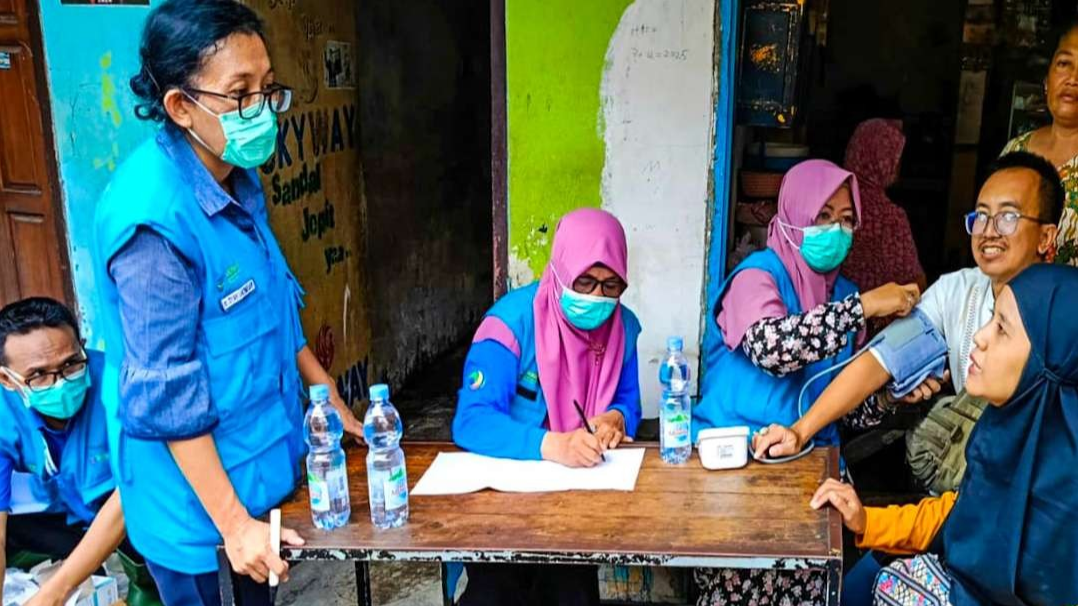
(275, 545)
(587, 426)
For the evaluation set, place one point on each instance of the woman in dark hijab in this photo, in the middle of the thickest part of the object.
(1010, 537)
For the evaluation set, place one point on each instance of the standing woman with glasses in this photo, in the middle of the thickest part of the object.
(539, 352)
(205, 352)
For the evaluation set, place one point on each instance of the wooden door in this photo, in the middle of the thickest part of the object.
(33, 259)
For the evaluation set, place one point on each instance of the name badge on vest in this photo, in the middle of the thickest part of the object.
(241, 293)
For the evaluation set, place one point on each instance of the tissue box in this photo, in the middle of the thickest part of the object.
(103, 592)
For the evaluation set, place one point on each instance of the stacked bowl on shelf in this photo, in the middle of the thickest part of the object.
(761, 178)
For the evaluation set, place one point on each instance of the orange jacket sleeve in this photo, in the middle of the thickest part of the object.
(908, 529)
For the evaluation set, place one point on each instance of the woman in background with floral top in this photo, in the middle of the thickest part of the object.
(1058, 142)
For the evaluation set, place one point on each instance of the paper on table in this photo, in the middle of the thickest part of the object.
(464, 472)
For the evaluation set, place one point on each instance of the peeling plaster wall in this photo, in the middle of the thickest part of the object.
(610, 104)
(90, 53)
(424, 95)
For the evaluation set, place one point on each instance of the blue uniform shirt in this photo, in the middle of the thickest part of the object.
(61, 471)
(243, 351)
(501, 410)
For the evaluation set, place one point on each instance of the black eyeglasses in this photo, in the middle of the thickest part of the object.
(42, 380)
(1005, 223)
(612, 287)
(251, 105)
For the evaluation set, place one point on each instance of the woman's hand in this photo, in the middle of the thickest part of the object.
(313, 374)
(609, 429)
(776, 441)
(576, 448)
(249, 551)
(890, 300)
(843, 498)
(352, 425)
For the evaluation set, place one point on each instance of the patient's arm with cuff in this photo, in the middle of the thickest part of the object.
(863, 377)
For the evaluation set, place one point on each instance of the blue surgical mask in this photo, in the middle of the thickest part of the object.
(586, 312)
(248, 142)
(823, 247)
(60, 401)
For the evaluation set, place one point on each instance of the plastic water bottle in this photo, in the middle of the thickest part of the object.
(675, 414)
(674, 370)
(327, 471)
(386, 474)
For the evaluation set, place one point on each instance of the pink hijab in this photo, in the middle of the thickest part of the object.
(805, 190)
(752, 296)
(575, 364)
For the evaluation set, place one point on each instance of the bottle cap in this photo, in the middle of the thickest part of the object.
(379, 392)
(319, 392)
(675, 343)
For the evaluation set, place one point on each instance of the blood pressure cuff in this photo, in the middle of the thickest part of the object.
(911, 350)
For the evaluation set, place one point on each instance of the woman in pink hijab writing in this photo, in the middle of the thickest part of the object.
(541, 351)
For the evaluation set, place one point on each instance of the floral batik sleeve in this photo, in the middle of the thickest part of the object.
(780, 346)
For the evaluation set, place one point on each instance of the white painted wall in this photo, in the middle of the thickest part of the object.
(657, 108)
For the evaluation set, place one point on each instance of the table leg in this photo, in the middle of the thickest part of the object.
(224, 578)
(363, 583)
(834, 582)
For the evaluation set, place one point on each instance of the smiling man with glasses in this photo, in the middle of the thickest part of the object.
(57, 495)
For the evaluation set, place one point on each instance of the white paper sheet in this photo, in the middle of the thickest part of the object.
(464, 472)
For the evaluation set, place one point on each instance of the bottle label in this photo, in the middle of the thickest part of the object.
(337, 483)
(319, 490)
(395, 486)
(676, 430)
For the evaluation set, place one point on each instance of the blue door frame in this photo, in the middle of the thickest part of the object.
(722, 179)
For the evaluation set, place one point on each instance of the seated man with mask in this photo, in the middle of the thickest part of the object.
(1012, 227)
(57, 495)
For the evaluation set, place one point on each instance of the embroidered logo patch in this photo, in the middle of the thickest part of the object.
(231, 275)
(238, 295)
(476, 380)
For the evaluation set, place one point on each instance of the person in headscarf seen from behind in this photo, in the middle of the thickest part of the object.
(884, 250)
(539, 351)
(784, 315)
(1008, 536)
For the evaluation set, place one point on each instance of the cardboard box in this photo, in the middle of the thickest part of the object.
(102, 592)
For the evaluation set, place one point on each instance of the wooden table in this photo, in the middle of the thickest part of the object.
(757, 517)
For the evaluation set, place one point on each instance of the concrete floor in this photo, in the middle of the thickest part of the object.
(334, 584)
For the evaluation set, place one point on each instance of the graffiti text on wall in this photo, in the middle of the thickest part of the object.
(326, 130)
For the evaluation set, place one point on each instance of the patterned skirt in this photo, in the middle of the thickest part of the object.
(728, 587)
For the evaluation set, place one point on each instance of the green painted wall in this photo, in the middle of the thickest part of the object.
(555, 55)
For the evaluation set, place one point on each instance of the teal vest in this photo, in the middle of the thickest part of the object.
(84, 477)
(736, 392)
(517, 312)
(245, 341)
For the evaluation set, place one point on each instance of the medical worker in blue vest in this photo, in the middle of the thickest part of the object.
(205, 353)
(539, 351)
(785, 314)
(57, 496)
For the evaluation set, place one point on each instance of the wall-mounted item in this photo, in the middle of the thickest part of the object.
(970, 107)
(1029, 109)
(769, 66)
